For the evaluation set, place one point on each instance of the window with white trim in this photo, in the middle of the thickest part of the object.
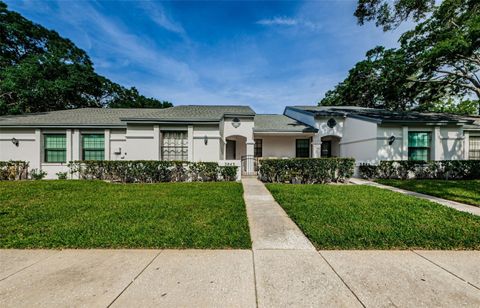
(93, 146)
(55, 146)
(419, 144)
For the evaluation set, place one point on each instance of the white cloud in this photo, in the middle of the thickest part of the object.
(283, 21)
(112, 37)
(289, 22)
(157, 14)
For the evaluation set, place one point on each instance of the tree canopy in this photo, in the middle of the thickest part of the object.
(438, 62)
(41, 71)
(376, 82)
(389, 14)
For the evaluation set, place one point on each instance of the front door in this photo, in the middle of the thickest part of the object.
(231, 150)
(326, 148)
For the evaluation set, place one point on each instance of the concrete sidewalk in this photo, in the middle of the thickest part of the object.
(475, 210)
(233, 278)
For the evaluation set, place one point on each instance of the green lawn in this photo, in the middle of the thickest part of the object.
(88, 214)
(466, 191)
(364, 217)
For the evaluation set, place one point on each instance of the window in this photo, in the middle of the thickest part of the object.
(258, 148)
(175, 146)
(474, 151)
(419, 146)
(93, 147)
(302, 148)
(55, 148)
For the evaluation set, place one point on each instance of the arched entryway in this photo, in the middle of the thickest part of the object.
(235, 147)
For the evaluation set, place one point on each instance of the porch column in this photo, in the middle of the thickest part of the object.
(250, 153)
(317, 146)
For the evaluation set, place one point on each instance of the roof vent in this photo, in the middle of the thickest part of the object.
(236, 122)
(331, 122)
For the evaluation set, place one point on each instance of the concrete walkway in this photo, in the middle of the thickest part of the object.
(270, 226)
(453, 204)
(288, 269)
(234, 278)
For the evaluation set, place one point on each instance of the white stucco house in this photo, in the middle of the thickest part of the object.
(234, 135)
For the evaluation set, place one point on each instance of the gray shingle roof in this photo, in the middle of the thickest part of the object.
(382, 115)
(475, 125)
(279, 123)
(118, 117)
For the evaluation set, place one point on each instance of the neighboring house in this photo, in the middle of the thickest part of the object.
(234, 135)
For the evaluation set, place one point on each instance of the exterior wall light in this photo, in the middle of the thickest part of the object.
(205, 139)
(391, 139)
(15, 141)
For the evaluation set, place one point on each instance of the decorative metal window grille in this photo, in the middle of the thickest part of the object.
(474, 150)
(419, 146)
(93, 147)
(175, 146)
(55, 146)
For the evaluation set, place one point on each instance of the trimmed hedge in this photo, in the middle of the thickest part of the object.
(13, 170)
(306, 170)
(404, 169)
(152, 171)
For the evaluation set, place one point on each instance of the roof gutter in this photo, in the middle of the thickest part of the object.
(307, 130)
(175, 122)
(445, 122)
(233, 115)
(63, 125)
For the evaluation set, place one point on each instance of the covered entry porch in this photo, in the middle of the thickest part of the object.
(274, 136)
(241, 150)
(279, 136)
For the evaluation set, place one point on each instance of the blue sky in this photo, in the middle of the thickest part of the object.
(264, 54)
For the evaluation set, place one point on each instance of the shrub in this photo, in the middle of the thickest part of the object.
(368, 171)
(441, 169)
(13, 170)
(228, 173)
(62, 175)
(151, 171)
(38, 174)
(204, 171)
(306, 170)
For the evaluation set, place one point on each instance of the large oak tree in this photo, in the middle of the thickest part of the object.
(41, 71)
(438, 61)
